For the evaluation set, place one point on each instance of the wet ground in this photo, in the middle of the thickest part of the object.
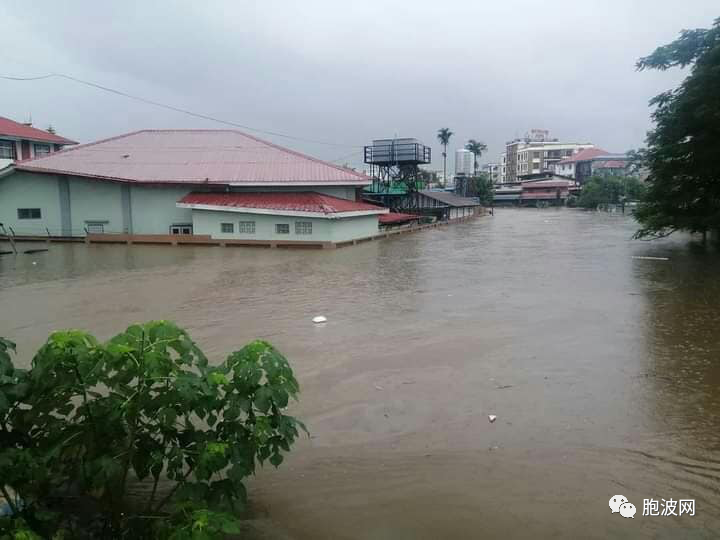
(603, 369)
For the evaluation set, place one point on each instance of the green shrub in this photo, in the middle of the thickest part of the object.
(90, 419)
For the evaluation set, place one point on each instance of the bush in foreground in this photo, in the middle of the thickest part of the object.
(89, 420)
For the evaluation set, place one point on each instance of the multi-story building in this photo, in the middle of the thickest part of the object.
(568, 167)
(503, 167)
(493, 171)
(536, 153)
(22, 141)
(464, 162)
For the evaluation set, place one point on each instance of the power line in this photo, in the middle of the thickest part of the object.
(171, 107)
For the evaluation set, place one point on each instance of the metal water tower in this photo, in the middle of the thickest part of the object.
(395, 164)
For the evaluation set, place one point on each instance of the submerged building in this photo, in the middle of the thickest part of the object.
(217, 184)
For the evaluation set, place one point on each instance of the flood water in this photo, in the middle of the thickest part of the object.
(603, 369)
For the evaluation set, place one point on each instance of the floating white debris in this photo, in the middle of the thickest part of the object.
(492, 418)
(319, 319)
(378, 387)
(650, 258)
(34, 262)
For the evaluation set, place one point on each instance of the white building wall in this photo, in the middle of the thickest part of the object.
(95, 201)
(30, 190)
(209, 222)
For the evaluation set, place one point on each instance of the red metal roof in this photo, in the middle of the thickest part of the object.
(396, 217)
(224, 157)
(584, 154)
(305, 201)
(11, 128)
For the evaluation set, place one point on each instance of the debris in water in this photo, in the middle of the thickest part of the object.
(642, 258)
(504, 386)
(34, 262)
(378, 387)
(492, 418)
(319, 319)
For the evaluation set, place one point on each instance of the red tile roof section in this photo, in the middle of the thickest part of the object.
(11, 128)
(221, 157)
(396, 217)
(305, 201)
(585, 154)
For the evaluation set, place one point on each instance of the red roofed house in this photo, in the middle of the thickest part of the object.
(567, 166)
(22, 141)
(221, 184)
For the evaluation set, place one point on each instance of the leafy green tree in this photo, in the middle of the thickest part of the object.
(443, 136)
(683, 148)
(477, 148)
(89, 419)
(610, 190)
(480, 186)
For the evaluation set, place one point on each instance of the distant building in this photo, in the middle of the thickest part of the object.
(464, 162)
(22, 141)
(503, 168)
(604, 165)
(536, 153)
(493, 171)
(567, 167)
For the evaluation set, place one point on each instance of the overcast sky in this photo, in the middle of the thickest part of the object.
(347, 72)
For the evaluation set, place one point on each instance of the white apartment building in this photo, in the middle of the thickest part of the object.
(539, 158)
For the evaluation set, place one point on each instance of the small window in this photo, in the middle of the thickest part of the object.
(42, 150)
(246, 227)
(282, 228)
(29, 213)
(95, 227)
(303, 227)
(7, 149)
(227, 228)
(181, 228)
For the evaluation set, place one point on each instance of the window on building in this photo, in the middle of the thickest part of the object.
(303, 227)
(181, 228)
(95, 227)
(246, 227)
(29, 213)
(7, 149)
(282, 228)
(41, 149)
(227, 228)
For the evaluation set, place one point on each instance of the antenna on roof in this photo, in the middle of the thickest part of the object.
(29, 121)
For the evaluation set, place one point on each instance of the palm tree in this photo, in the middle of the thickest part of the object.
(477, 148)
(443, 136)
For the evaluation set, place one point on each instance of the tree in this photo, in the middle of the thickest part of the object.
(477, 148)
(89, 418)
(610, 190)
(683, 148)
(480, 186)
(443, 136)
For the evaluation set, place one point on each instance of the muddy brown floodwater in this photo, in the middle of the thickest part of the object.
(603, 369)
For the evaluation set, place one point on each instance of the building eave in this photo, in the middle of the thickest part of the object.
(280, 212)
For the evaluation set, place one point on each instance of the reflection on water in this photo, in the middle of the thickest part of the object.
(602, 369)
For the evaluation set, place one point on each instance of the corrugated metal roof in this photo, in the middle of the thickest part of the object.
(11, 128)
(305, 201)
(194, 156)
(449, 198)
(584, 155)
